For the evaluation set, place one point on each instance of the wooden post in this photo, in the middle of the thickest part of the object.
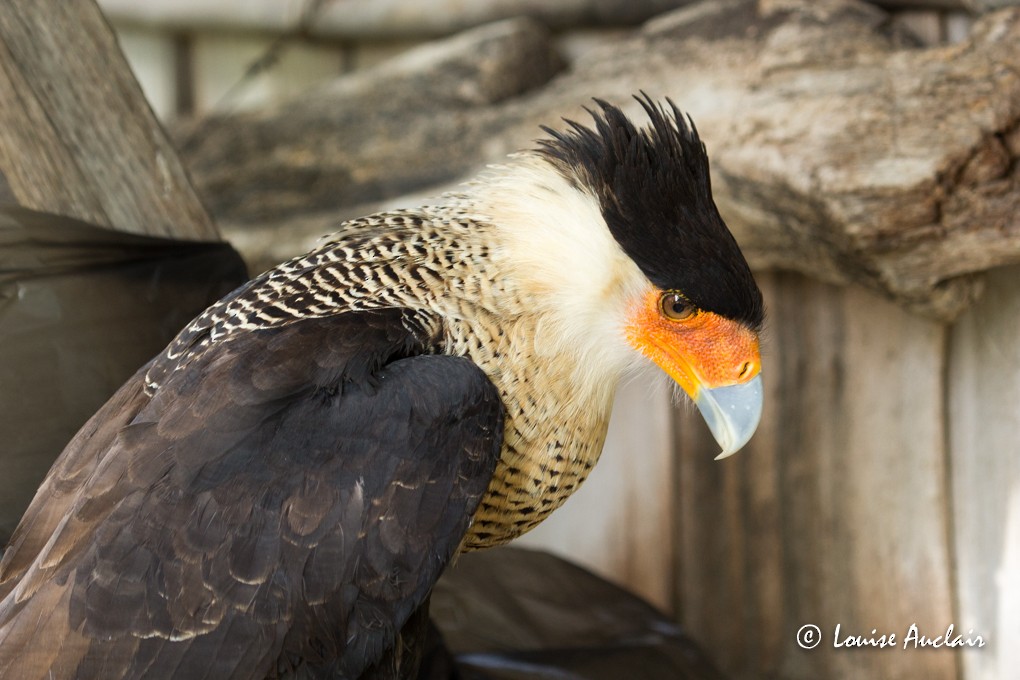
(77, 136)
(838, 512)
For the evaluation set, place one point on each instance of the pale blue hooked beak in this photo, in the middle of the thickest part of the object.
(732, 413)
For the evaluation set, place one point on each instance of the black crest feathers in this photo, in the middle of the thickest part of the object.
(654, 189)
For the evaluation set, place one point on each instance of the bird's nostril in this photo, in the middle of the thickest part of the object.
(745, 370)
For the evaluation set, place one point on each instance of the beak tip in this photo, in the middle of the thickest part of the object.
(732, 413)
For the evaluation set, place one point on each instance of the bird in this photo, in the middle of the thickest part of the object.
(276, 493)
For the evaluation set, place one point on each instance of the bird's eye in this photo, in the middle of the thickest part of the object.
(676, 307)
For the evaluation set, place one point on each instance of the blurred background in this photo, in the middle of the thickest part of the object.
(866, 157)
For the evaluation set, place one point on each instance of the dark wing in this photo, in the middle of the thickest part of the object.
(282, 504)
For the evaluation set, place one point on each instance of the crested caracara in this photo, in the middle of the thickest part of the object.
(277, 492)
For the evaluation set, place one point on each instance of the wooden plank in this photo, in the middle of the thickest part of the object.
(984, 406)
(837, 511)
(620, 523)
(76, 134)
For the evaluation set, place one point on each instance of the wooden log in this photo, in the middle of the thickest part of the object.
(837, 512)
(984, 407)
(76, 135)
(837, 151)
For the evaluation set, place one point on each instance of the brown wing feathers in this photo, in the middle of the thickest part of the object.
(281, 505)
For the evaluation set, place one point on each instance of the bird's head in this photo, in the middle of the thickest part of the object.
(618, 231)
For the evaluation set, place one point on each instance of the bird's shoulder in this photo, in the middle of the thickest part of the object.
(345, 274)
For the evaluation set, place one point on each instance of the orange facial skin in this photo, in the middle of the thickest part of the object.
(702, 351)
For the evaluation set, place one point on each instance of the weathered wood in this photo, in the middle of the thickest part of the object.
(837, 151)
(837, 512)
(76, 134)
(984, 440)
(620, 523)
